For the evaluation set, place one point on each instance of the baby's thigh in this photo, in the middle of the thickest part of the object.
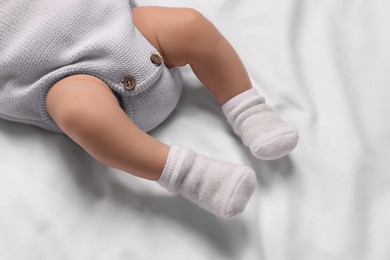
(146, 25)
(67, 97)
(172, 31)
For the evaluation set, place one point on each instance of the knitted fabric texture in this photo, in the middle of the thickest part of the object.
(219, 187)
(263, 131)
(42, 42)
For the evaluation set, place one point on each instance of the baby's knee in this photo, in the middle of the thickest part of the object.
(192, 23)
(178, 33)
(190, 17)
(179, 23)
(196, 33)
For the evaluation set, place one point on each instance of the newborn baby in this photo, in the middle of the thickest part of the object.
(105, 72)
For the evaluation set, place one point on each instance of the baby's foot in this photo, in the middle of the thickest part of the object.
(221, 188)
(264, 132)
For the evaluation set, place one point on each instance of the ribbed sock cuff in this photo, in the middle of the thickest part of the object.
(244, 97)
(170, 176)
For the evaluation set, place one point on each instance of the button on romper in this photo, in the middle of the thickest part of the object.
(44, 41)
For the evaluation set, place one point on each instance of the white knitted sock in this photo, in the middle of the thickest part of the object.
(221, 188)
(264, 132)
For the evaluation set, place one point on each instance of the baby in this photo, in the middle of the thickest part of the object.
(105, 72)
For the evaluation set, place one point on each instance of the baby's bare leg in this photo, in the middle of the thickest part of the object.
(86, 110)
(183, 36)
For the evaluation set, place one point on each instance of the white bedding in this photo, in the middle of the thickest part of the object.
(324, 66)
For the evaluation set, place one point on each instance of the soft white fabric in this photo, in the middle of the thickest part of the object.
(267, 135)
(219, 187)
(322, 65)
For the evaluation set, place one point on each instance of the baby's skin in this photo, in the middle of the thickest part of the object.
(84, 107)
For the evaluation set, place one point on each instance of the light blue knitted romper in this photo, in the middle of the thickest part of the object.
(43, 41)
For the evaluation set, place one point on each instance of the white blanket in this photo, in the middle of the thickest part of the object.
(323, 65)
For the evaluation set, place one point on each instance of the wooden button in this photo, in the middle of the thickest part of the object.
(156, 59)
(129, 82)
